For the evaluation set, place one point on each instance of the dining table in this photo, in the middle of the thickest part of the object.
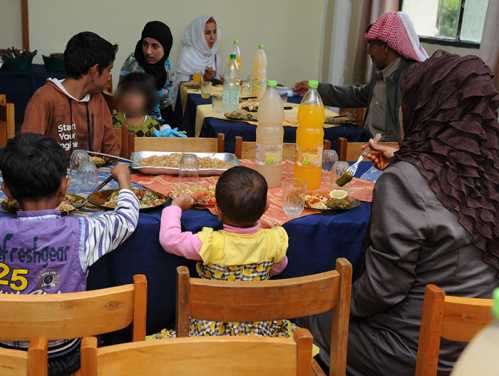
(315, 242)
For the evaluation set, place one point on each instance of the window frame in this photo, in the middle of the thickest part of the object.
(456, 42)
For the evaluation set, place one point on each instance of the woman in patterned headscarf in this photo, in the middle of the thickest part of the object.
(434, 217)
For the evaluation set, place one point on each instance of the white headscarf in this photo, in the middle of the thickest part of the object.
(196, 55)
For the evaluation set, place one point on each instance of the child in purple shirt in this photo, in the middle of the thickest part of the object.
(45, 252)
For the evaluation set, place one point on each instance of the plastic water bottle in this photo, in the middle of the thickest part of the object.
(478, 358)
(236, 50)
(259, 73)
(269, 136)
(310, 138)
(232, 91)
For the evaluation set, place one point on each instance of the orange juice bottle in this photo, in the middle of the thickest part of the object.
(310, 138)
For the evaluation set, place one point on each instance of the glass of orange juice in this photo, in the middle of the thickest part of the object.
(197, 78)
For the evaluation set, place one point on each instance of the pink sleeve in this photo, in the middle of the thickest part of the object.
(278, 267)
(173, 240)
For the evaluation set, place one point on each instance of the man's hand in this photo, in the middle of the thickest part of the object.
(184, 202)
(121, 174)
(301, 88)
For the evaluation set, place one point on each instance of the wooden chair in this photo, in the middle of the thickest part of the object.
(171, 144)
(350, 151)
(453, 318)
(74, 315)
(247, 149)
(31, 363)
(272, 300)
(208, 356)
(7, 121)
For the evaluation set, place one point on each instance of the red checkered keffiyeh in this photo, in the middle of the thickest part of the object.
(398, 32)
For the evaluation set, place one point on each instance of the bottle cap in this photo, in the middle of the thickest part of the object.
(313, 84)
(272, 83)
(260, 46)
(233, 56)
(495, 305)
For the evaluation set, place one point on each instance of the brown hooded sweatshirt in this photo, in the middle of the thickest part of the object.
(74, 123)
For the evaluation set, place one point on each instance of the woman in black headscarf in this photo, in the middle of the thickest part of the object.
(434, 219)
(152, 56)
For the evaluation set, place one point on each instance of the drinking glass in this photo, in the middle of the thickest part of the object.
(245, 89)
(87, 177)
(197, 78)
(188, 167)
(294, 197)
(329, 158)
(205, 89)
(78, 157)
(216, 103)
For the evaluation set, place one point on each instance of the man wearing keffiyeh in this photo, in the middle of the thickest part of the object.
(393, 46)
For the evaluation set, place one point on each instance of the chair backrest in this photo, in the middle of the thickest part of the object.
(271, 300)
(33, 362)
(172, 144)
(247, 149)
(7, 121)
(350, 151)
(449, 317)
(73, 315)
(245, 355)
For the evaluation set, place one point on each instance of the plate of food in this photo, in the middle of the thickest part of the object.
(241, 115)
(166, 163)
(202, 194)
(108, 199)
(65, 207)
(336, 200)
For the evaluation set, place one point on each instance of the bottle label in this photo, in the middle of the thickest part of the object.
(309, 157)
(269, 155)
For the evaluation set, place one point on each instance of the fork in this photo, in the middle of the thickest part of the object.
(97, 189)
(352, 170)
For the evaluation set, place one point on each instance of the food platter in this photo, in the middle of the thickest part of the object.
(202, 194)
(337, 200)
(158, 163)
(107, 199)
(66, 206)
(98, 161)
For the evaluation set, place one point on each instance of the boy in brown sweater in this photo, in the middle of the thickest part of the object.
(73, 111)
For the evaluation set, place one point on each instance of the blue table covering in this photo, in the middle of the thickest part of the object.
(213, 126)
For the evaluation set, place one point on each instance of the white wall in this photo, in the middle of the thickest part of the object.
(10, 24)
(292, 30)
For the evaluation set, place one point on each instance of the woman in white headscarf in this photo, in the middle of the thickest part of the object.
(200, 50)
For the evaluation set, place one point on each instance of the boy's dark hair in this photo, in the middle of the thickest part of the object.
(33, 166)
(241, 195)
(86, 49)
(143, 83)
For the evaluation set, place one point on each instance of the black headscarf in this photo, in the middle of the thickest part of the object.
(161, 32)
(452, 137)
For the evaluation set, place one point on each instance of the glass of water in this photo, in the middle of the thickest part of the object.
(329, 158)
(294, 197)
(341, 167)
(206, 89)
(188, 167)
(216, 103)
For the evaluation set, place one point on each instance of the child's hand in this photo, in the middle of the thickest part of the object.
(184, 202)
(121, 174)
(380, 154)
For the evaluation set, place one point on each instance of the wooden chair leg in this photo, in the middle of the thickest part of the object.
(38, 357)
(239, 147)
(140, 307)
(340, 321)
(342, 148)
(430, 331)
(89, 356)
(303, 340)
(220, 142)
(183, 309)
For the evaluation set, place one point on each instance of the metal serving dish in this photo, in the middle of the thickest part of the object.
(154, 170)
